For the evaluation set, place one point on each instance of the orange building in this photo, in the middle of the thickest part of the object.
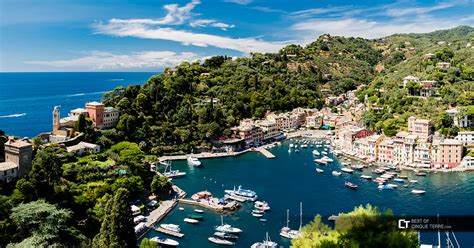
(96, 113)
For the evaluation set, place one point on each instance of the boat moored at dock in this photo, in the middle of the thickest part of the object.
(350, 185)
(171, 227)
(224, 235)
(267, 243)
(220, 241)
(227, 228)
(262, 205)
(418, 192)
(190, 221)
(193, 161)
(246, 193)
(347, 170)
(165, 241)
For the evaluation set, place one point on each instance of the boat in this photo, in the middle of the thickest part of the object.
(292, 145)
(347, 170)
(165, 241)
(327, 159)
(172, 173)
(262, 205)
(257, 211)
(164, 163)
(392, 185)
(403, 176)
(297, 151)
(357, 166)
(224, 235)
(336, 173)
(413, 181)
(220, 241)
(321, 161)
(263, 220)
(286, 231)
(421, 174)
(399, 180)
(366, 177)
(333, 217)
(289, 150)
(171, 227)
(193, 161)
(227, 228)
(195, 216)
(418, 192)
(319, 170)
(199, 211)
(191, 221)
(257, 215)
(378, 171)
(385, 187)
(350, 185)
(315, 153)
(181, 209)
(246, 193)
(235, 197)
(324, 153)
(267, 243)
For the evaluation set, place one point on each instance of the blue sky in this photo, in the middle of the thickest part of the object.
(148, 35)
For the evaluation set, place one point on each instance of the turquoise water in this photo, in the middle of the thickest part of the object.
(291, 178)
(27, 99)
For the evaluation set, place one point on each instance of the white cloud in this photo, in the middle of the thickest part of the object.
(241, 2)
(268, 9)
(246, 45)
(318, 11)
(210, 22)
(176, 15)
(310, 29)
(99, 60)
(396, 12)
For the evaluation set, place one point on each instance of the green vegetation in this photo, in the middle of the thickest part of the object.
(363, 227)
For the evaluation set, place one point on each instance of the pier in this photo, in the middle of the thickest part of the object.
(160, 212)
(265, 152)
(169, 232)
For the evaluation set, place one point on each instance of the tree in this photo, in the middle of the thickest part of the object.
(134, 185)
(117, 225)
(24, 191)
(146, 243)
(45, 172)
(46, 224)
(160, 185)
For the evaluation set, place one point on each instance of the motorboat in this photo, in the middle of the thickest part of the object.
(399, 180)
(403, 176)
(257, 215)
(336, 173)
(385, 187)
(138, 219)
(418, 192)
(195, 216)
(257, 211)
(263, 220)
(421, 174)
(248, 194)
(413, 181)
(292, 145)
(262, 205)
(392, 185)
(181, 209)
(193, 161)
(220, 241)
(165, 241)
(327, 159)
(297, 151)
(227, 228)
(357, 166)
(224, 235)
(350, 185)
(267, 243)
(324, 153)
(321, 161)
(235, 197)
(191, 221)
(319, 170)
(378, 171)
(315, 153)
(366, 177)
(347, 170)
(171, 227)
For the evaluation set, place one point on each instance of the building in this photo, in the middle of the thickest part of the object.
(467, 137)
(460, 121)
(83, 147)
(386, 152)
(420, 127)
(410, 79)
(330, 119)
(428, 88)
(314, 121)
(446, 153)
(269, 129)
(20, 154)
(373, 142)
(468, 162)
(445, 65)
(422, 155)
(111, 117)
(96, 111)
(249, 132)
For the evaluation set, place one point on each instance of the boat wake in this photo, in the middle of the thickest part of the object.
(83, 94)
(13, 115)
(116, 79)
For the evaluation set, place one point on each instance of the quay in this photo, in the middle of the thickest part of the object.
(160, 212)
(169, 232)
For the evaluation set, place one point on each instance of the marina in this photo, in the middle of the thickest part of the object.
(221, 174)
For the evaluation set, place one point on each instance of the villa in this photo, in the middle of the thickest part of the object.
(18, 160)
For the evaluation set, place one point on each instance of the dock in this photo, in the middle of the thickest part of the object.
(160, 212)
(265, 152)
(169, 232)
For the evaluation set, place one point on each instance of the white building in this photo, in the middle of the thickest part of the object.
(111, 117)
(468, 162)
(269, 128)
(82, 147)
(459, 121)
(410, 79)
(8, 171)
(467, 137)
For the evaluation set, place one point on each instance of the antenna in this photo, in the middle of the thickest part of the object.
(301, 214)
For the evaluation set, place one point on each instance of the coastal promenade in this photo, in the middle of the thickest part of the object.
(315, 134)
(160, 212)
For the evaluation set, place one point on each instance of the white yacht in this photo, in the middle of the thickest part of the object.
(172, 173)
(336, 173)
(286, 231)
(171, 227)
(165, 241)
(327, 159)
(193, 161)
(262, 205)
(267, 243)
(246, 193)
(315, 153)
(227, 228)
(220, 241)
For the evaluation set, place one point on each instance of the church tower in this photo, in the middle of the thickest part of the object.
(56, 117)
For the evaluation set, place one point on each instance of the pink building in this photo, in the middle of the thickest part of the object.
(419, 127)
(386, 152)
(96, 113)
(446, 153)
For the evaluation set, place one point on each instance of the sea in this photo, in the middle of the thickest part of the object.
(27, 99)
(290, 178)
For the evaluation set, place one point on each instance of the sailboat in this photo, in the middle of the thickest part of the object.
(172, 173)
(286, 231)
(226, 228)
(267, 243)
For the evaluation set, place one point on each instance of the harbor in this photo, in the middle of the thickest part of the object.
(291, 178)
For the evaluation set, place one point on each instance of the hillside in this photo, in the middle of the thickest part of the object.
(186, 105)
